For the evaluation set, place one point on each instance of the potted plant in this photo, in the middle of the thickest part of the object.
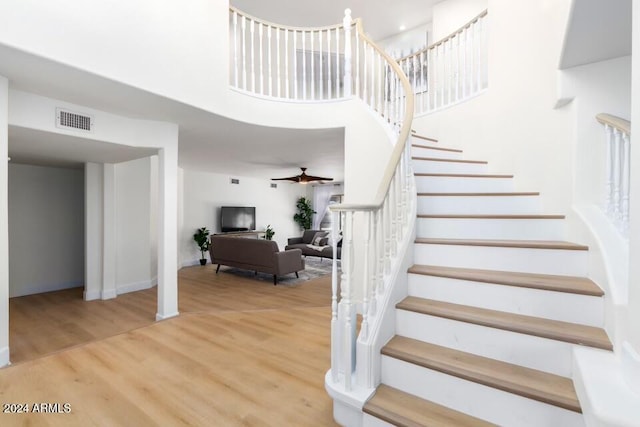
(268, 232)
(305, 214)
(202, 239)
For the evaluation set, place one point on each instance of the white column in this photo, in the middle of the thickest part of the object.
(167, 232)
(93, 231)
(631, 348)
(109, 244)
(4, 222)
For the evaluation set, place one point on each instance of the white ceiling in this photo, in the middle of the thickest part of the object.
(380, 18)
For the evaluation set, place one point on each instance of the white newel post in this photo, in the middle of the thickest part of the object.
(4, 222)
(346, 22)
(167, 232)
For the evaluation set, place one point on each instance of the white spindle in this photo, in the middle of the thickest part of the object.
(320, 65)
(304, 65)
(235, 49)
(337, 63)
(625, 149)
(270, 73)
(244, 54)
(357, 63)
(478, 46)
(261, 58)
(295, 64)
(286, 63)
(335, 346)
(278, 74)
(364, 328)
(329, 83)
(617, 162)
(312, 54)
(253, 62)
(608, 202)
(346, 299)
(365, 72)
(347, 83)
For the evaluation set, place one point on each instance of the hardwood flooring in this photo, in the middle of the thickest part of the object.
(241, 353)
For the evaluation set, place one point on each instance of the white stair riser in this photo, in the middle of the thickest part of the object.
(429, 166)
(441, 184)
(563, 306)
(477, 400)
(495, 229)
(371, 421)
(478, 205)
(530, 351)
(435, 154)
(525, 260)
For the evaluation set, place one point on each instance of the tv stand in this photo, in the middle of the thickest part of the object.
(243, 234)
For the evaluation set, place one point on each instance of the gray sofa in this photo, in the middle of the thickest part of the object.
(255, 254)
(303, 243)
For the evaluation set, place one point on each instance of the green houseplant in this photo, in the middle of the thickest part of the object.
(202, 239)
(305, 214)
(268, 232)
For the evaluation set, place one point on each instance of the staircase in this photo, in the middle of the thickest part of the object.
(496, 302)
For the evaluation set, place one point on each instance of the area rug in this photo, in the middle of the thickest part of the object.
(314, 267)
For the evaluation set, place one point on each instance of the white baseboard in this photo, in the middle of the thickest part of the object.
(4, 357)
(38, 288)
(166, 316)
(108, 294)
(192, 262)
(92, 295)
(137, 286)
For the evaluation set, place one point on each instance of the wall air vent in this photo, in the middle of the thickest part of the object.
(66, 119)
(235, 181)
(274, 185)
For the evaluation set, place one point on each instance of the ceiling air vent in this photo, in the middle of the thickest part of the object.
(66, 119)
(235, 181)
(274, 185)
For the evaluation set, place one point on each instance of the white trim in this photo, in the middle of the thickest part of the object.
(192, 262)
(39, 288)
(91, 295)
(169, 316)
(137, 286)
(4, 357)
(108, 294)
(290, 100)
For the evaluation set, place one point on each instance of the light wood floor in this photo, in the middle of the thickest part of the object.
(242, 353)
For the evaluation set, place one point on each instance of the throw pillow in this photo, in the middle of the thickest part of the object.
(317, 239)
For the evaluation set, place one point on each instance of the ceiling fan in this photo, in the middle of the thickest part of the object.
(303, 178)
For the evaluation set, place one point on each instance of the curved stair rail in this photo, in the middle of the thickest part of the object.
(284, 62)
(618, 144)
(451, 70)
(385, 228)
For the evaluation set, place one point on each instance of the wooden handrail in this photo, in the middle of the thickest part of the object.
(281, 26)
(615, 122)
(403, 137)
(450, 36)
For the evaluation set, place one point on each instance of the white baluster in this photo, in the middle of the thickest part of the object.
(450, 71)
(244, 54)
(458, 53)
(617, 170)
(278, 74)
(320, 65)
(347, 53)
(387, 235)
(478, 46)
(465, 63)
(380, 249)
(625, 184)
(286, 64)
(357, 91)
(337, 62)
(235, 49)
(304, 65)
(423, 84)
(253, 62)
(386, 81)
(270, 73)
(608, 197)
(329, 83)
(365, 72)
(335, 346)
(295, 64)
(364, 327)
(373, 308)
(261, 58)
(346, 299)
(313, 81)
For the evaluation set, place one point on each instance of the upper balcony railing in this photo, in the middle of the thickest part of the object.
(451, 70)
(617, 184)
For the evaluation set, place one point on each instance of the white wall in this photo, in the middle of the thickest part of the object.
(133, 226)
(46, 229)
(450, 15)
(514, 125)
(408, 42)
(4, 223)
(204, 194)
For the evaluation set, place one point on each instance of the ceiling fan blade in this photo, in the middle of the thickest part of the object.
(291, 178)
(317, 178)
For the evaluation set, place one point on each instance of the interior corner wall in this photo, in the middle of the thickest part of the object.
(46, 229)
(204, 193)
(449, 15)
(514, 125)
(408, 42)
(133, 231)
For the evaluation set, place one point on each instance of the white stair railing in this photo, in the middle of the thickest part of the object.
(385, 224)
(284, 62)
(618, 144)
(451, 70)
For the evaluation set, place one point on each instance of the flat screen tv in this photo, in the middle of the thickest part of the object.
(237, 218)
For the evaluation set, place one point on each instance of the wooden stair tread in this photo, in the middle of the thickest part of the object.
(527, 382)
(453, 150)
(548, 282)
(531, 244)
(437, 159)
(415, 135)
(403, 409)
(491, 216)
(462, 175)
(532, 193)
(536, 326)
